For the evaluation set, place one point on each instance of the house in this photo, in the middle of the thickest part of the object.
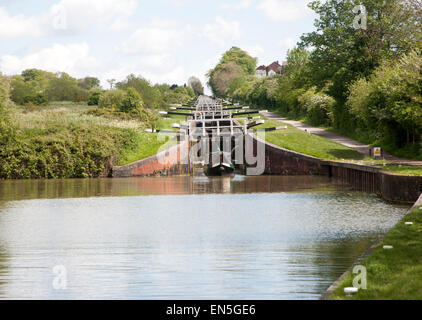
(261, 72)
(273, 69)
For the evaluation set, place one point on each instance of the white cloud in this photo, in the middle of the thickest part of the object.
(285, 10)
(160, 36)
(69, 16)
(242, 4)
(254, 51)
(83, 14)
(17, 26)
(74, 59)
(221, 31)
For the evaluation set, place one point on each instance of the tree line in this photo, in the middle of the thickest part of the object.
(363, 82)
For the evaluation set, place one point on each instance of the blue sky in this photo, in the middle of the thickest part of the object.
(162, 40)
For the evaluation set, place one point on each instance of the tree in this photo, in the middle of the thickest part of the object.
(151, 96)
(63, 88)
(31, 87)
(341, 53)
(112, 100)
(221, 78)
(390, 101)
(94, 97)
(131, 101)
(196, 85)
(233, 64)
(111, 82)
(89, 83)
(241, 58)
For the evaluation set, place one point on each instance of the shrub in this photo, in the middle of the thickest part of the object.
(38, 99)
(94, 98)
(132, 101)
(112, 100)
(318, 106)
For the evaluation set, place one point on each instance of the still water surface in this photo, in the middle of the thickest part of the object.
(183, 237)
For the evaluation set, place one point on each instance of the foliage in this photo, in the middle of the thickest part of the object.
(68, 143)
(111, 100)
(89, 83)
(241, 58)
(318, 107)
(150, 95)
(6, 129)
(65, 88)
(234, 63)
(390, 101)
(196, 85)
(131, 101)
(94, 97)
(222, 77)
(29, 88)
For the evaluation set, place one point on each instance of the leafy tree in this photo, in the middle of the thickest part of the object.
(151, 96)
(63, 88)
(131, 101)
(94, 97)
(241, 58)
(112, 100)
(341, 54)
(318, 106)
(221, 78)
(31, 87)
(390, 101)
(89, 83)
(196, 85)
(233, 64)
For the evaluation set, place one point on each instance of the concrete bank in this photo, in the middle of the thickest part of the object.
(280, 161)
(390, 186)
(166, 163)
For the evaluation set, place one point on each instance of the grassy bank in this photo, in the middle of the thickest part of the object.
(310, 144)
(392, 274)
(300, 141)
(63, 140)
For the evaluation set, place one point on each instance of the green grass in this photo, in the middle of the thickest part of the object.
(63, 141)
(144, 146)
(166, 124)
(405, 170)
(392, 274)
(300, 141)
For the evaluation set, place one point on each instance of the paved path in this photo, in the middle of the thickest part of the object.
(359, 147)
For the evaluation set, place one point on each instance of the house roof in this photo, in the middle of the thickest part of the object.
(275, 66)
(262, 68)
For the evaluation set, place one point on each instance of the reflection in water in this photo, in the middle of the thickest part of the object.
(82, 188)
(240, 238)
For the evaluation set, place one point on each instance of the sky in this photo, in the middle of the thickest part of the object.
(165, 41)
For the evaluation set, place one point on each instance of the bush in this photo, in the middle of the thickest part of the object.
(132, 101)
(38, 99)
(94, 98)
(390, 101)
(318, 107)
(112, 100)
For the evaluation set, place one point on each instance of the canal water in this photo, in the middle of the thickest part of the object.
(267, 237)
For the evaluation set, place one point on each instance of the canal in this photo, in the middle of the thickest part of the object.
(266, 237)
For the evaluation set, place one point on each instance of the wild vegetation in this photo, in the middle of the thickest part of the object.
(363, 83)
(55, 126)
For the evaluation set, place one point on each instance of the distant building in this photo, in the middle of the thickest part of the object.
(261, 72)
(272, 70)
